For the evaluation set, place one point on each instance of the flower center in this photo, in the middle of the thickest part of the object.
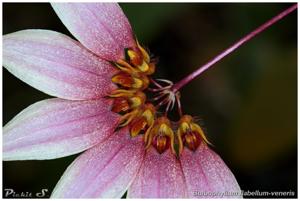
(141, 114)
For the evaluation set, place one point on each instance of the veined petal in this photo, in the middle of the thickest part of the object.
(207, 176)
(105, 171)
(55, 128)
(56, 64)
(160, 176)
(101, 27)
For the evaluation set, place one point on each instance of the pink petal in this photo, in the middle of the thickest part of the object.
(104, 171)
(101, 27)
(207, 175)
(56, 64)
(160, 176)
(55, 128)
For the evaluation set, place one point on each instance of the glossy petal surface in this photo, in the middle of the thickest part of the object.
(56, 64)
(160, 176)
(101, 27)
(207, 175)
(55, 128)
(104, 171)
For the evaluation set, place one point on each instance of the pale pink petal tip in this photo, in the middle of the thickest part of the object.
(160, 176)
(101, 27)
(207, 176)
(105, 171)
(56, 64)
(55, 128)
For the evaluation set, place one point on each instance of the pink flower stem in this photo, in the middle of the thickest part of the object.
(176, 87)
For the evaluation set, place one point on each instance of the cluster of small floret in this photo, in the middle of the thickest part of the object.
(140, 115)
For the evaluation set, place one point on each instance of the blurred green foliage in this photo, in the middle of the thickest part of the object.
(147, 26)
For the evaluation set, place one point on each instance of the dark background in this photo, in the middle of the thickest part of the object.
(247, 102)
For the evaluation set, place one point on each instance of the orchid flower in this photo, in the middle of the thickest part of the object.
(102, 110)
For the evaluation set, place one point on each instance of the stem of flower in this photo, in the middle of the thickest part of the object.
(176, 87)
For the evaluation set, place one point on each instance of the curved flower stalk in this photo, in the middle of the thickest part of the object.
(101, 83)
